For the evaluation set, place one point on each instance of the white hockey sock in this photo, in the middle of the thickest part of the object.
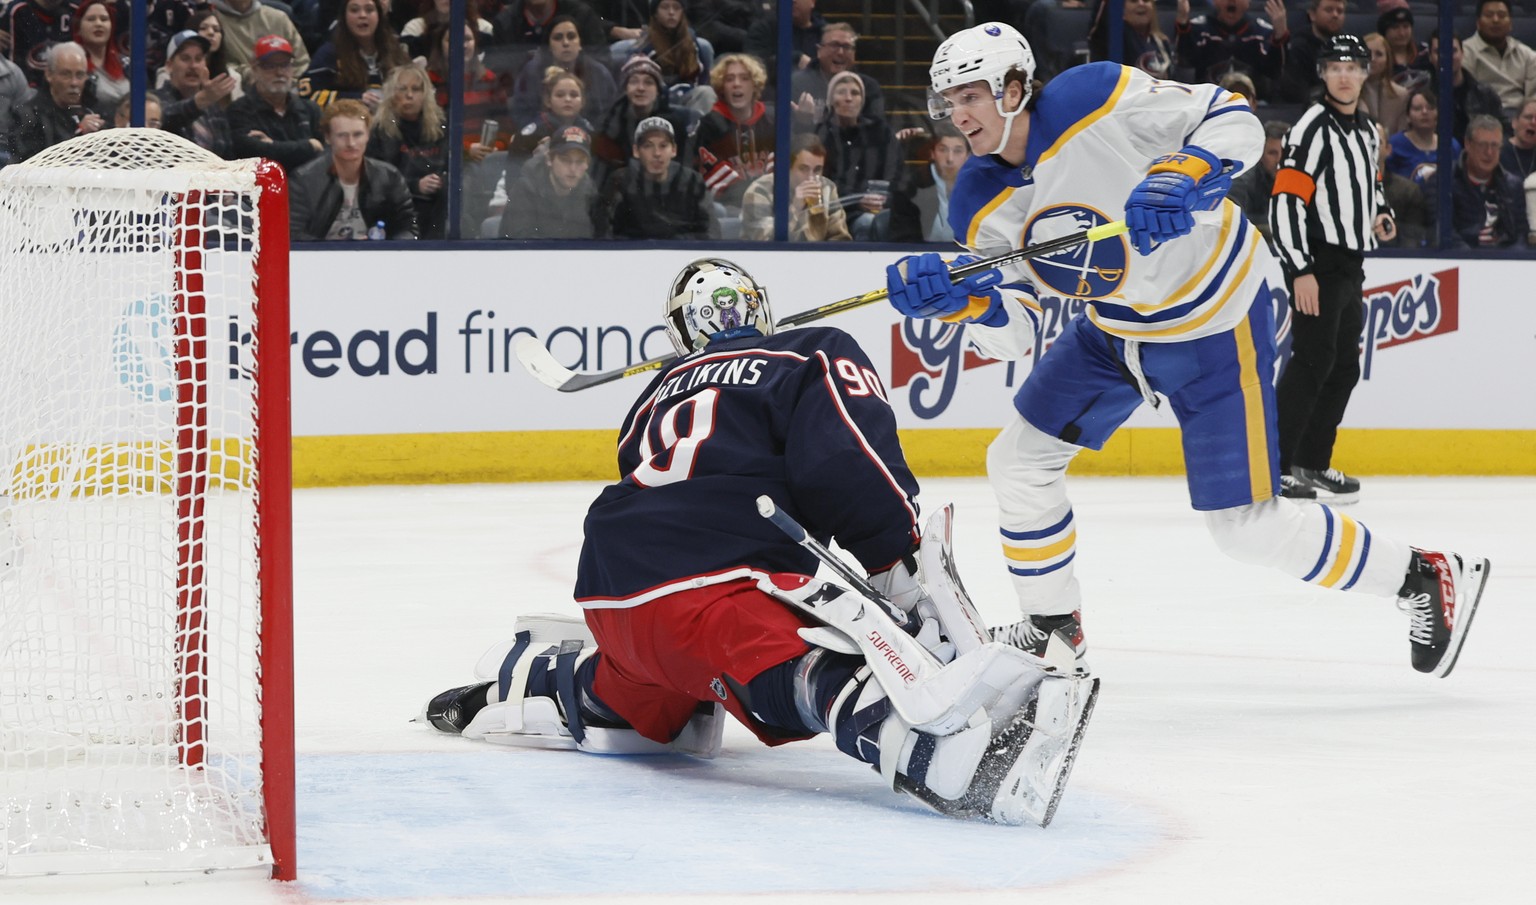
(1315, 543)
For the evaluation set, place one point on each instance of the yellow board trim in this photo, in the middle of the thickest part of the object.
(1039, 554)
(589, 455)
(1346, 552)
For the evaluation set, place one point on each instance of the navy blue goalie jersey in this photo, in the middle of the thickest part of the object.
(799, 416)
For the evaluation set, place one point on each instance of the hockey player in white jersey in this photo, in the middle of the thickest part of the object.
(1179, 307)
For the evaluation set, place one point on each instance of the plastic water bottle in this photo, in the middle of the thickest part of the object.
(377, 232)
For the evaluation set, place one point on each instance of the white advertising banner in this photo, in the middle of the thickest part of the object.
(420, 341)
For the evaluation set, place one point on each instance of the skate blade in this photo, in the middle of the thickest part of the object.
(1072, 749)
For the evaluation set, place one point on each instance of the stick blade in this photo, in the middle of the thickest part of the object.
(538, 362)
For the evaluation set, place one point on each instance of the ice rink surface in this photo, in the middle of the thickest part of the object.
(1256, 741)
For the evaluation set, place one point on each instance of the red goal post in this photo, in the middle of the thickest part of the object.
(146, 678)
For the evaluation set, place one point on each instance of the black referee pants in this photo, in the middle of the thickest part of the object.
(1325, 361)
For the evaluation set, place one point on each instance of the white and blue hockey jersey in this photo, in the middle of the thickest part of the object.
(800, 416)
(1092, 135)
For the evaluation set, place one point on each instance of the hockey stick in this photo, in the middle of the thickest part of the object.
(543, 366)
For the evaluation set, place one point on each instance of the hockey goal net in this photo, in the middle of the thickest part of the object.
(145, 627)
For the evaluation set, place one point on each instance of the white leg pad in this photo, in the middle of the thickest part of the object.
(957, 615)
(939, 700)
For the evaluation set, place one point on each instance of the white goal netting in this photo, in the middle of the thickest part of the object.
(131, 482)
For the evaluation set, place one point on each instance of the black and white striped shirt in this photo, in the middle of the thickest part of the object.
(1327, 188)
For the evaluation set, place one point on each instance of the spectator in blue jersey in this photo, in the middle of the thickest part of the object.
(655, 197)
(1487, 201)
(28, 28)
(1415, 151)
(1228, 38)
(1143, 43)
(1406, 198)
(696, 606)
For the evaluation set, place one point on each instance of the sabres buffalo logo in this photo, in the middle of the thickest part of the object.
(1093, 270)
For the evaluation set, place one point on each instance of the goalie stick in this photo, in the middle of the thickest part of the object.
(542, 365)
(797, 533)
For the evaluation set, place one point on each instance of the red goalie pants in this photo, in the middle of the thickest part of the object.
(660, 659)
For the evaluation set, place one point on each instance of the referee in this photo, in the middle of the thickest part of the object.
(1327, 209)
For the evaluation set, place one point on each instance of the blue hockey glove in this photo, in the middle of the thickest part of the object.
(1161, 207)
(925, 290)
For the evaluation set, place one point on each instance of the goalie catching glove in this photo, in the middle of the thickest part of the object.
(922, 286)
(1162, 206)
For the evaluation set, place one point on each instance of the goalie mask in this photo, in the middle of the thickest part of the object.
(712, 298)
(985, 53)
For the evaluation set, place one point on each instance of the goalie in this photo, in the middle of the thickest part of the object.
(696, 606)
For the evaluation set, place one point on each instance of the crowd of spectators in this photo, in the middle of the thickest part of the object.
(656, 118)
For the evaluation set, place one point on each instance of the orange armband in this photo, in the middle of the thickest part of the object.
(1291, 181)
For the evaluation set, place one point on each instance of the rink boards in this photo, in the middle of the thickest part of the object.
(403, 370)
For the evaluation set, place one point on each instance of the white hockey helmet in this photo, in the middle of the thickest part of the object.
(712, 296)
(982, 53)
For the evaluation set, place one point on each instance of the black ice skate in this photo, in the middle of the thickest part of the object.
(1293, 488)
(1056, 639)
(455, 708)
(1440, 595)
(1329, 484)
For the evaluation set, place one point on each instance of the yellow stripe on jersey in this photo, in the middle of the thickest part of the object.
(1188, 290)
(1347, 531)
(976, 221)
(1253, 413)
(1128, 330)
(1039, 554)
(1090, 119)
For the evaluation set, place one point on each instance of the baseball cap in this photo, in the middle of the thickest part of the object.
(571, 137)
(654, 124)
(270, 44)
(182, 37)
(1393, 17)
